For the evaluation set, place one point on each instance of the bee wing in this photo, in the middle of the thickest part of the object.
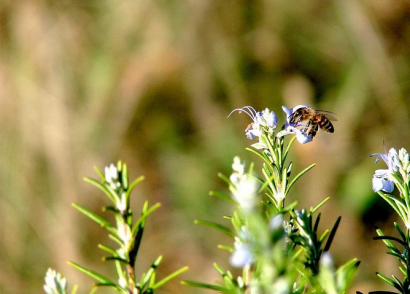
(328, 114)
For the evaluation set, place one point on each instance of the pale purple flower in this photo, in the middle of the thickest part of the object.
(263, 121)
(241, 256)
(381, 184)
(382, 180)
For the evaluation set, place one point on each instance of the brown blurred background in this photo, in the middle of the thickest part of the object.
(85, 83)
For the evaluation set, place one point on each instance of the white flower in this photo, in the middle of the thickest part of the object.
(124, 232)
(327, 260)
(122, 203)
(245, 187)
(111, 176)
(55, 283)
(122, 282)
(246, 193)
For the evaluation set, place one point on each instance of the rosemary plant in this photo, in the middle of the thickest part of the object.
(278, 247)
(126, 233)
(384, 182)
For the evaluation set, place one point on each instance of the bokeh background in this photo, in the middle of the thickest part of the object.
(85, 83)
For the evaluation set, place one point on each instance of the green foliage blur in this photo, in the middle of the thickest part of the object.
(85, 83)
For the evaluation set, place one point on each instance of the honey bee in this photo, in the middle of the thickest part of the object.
(312, 119)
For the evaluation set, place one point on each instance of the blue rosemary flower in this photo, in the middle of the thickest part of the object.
(383, 178)
(242, 255)
(263, 121)
(292, 127)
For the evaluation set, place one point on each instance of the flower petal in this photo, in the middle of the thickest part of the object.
(381, 173)
(241, 256)
(303, 138)
(380, 184)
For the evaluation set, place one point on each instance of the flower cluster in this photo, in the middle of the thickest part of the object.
(112, 177)
(396, 175)
(265, 122)
(384, 182)
(398, 170)
(278, 247)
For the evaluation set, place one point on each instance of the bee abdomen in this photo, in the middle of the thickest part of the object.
(327, 126)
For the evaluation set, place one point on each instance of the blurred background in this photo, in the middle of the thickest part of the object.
(85, 83)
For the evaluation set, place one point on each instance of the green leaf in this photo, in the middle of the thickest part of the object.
(270, 182)
(227, 248)
(315, 227)
(229, 283)
(120, 259)
(108, 191)
(389, 238)
(219, 269)
(403, 236)
(116, 240)
(98, 219)
(298, 176)
(132, 186)
(96, 276)
(260, 155)
(107, 249)
(287, 149)
(170, 277)
(400, 285)
(323, 236)
(332, 234)
(207, 286)
(387, 280)
(289, 207)
(314, 209)
(124, 176)
(225, 179)
(146, 278)
(219, 227)
(110, 208)
(222, 196)
(75, 287)
(99, 173)
(354, 263)
(346, 272)
(398, 255)
(144, 215)
(137, 242)
(284, 178)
